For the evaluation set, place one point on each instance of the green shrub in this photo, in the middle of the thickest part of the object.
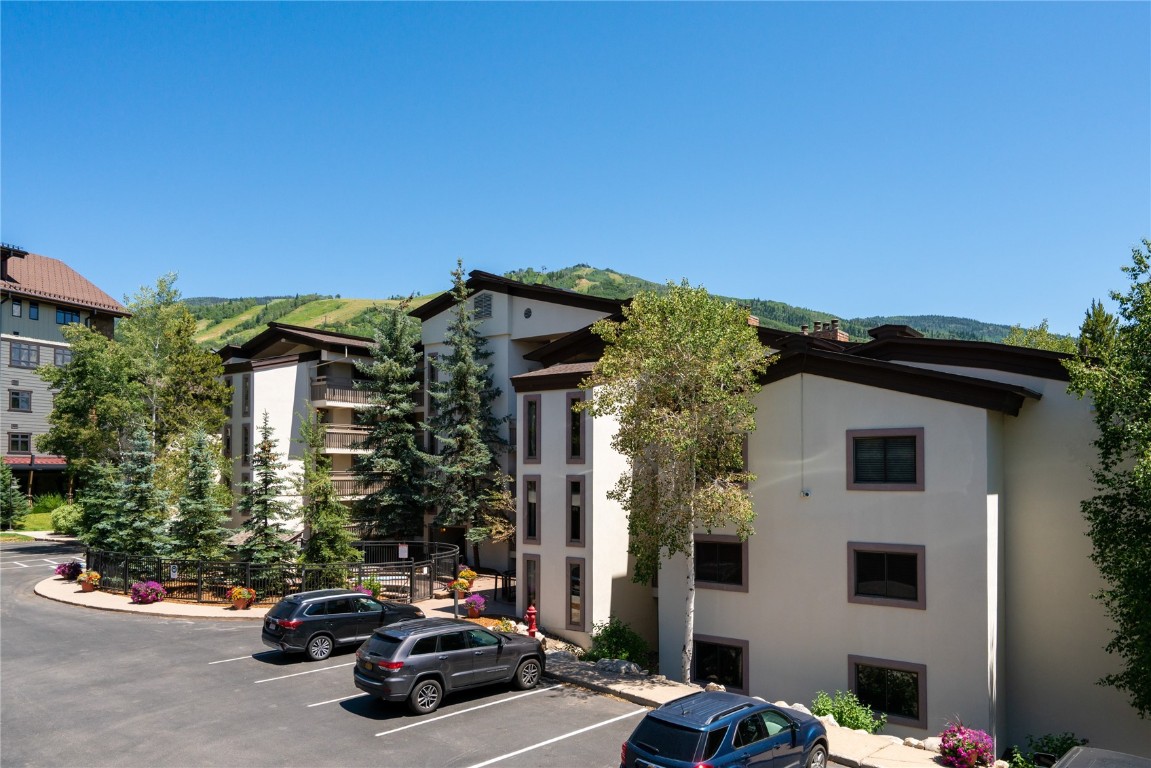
(613, 639)
(1055, 744)
(848, 711)
(47, 503)
(66, 519)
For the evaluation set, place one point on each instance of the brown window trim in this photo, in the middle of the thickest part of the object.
(725, 539)
(916, 432)
(528, 432)
(899, 549)
(529, 598)
(582, 509)
(20, 451)
(745, 656)
(579, 420)
(20, 392)
(524, 482)
(584, 603)
(920, 671)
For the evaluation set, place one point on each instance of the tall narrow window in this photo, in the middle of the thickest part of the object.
(532, 510)
(885, 459)
(246, 445)
(577, 594)
(576, 514)
(246, 395)
(575, 431)
(532, 429)
(227, 441)
(33, 310)
(231, 394)
(17, 308)
(531, 580)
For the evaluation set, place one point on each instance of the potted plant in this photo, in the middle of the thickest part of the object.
(89, 581)
(242, 597)
(69, 571)
(460, 587)
(475, 604)
(146, 592)
(468, 575)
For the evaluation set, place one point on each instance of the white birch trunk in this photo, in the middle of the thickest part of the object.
(689, 612)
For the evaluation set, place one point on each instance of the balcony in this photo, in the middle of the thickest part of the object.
(347, 485)
(335, 392)
(344, 438)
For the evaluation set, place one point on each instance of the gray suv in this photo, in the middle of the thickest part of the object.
(422, 660)
(318, 621)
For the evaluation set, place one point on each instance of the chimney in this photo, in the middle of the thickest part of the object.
(753, 321)
(803, 329)
(830, 331)
(818, 328)
(9, 252)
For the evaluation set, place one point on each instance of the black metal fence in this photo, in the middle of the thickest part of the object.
(406, 571)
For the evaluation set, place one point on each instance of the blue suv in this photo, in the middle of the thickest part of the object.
(713, 729)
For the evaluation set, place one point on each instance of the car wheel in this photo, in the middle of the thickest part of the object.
(528, 674)
(425, 697)
(319, 647)
(818, 757)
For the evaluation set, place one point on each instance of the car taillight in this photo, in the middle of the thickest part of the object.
(704, 765)
(289, 623)
(623, 753)
(391, 665)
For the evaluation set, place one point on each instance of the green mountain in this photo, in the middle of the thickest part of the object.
(233, 321)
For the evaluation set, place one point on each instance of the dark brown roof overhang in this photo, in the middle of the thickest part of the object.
(330, 341)
(562, 376)
(968, 354)
(486, 281)
(965, 390)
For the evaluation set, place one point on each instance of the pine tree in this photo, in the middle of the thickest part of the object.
(99, 505)
(325, 517)
(1098, 331)
(124, 510)
(199, 532)
(13, 503)
(465, 471)
(263, 505)
(393, 470)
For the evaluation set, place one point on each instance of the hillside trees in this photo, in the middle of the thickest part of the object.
(679, 373)
(1119, 514)
(392, 472)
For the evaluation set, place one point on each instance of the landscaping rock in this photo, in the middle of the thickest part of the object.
(714, 687)
(620, 667)
(828, 721)
(561, 656)
(932, 743)
(801, 708)
(916, 743)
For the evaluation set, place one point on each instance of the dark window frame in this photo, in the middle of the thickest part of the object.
(33, 310)
(18, 439)
(531, 430)
(15, 396)
(28, 357)
(527, 482)
(918, 550)
(744, 648)
(714, 538)
(17, 308)
(67, 316)
(584, 603)
(920, 672)
(245, 445)
(568, 481)
(576, 429)
(855, 434)
(531, 597)
(61, 356)
(246, 395)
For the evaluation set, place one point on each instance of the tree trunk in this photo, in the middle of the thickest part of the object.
(689, 613)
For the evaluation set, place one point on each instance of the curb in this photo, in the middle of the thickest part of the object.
(112, 609)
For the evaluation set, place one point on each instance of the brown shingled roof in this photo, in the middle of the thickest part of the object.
(47, 278)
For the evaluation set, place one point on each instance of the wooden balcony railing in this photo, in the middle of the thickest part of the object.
(347, 484)
(340, 390)
(344, 438)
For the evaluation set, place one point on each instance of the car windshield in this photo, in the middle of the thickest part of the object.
(384, 645)
(664, 739)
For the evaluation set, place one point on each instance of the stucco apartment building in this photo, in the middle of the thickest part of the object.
(38, 297)
(918, 535)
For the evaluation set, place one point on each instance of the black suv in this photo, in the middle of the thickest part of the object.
(316, 622)
(422, 660)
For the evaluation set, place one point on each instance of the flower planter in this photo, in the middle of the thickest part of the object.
(86, 586)
(473, 612)
(240, 603)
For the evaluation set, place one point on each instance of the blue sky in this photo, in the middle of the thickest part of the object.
(986, 160)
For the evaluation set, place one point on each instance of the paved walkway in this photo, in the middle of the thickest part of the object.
(854, 749)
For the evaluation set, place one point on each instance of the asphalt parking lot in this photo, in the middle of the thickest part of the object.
(111, 689)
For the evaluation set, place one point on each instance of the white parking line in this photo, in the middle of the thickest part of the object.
(469, 709)
(238, 658)
(310, 671)
(557, 738)
(343, 698)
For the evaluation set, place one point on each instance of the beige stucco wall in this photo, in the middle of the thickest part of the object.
(796, 617)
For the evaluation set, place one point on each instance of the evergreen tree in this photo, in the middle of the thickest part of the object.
(1119, 515)
(13, 503)
(99, 505)
(263, 505)
(1098, 331)
(464, 472)
(325, 517)
(126, 512)
(392, 472)
(199, 531)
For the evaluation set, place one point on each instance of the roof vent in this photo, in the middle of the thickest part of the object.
(892, 331)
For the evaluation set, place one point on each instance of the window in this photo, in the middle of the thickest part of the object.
(61, 356)
(23, 355)
(17, 308)
(246, 395)
(424, 645)
(720, 660)
(531, 580)
(482, 306)
(246, 445)
(896, 688)
(231, 394)
(245, 483)
(575, 431)
(576, 511)
(19, 442)
(532, 429)
(577, 605)
(720, 562)
(532, 510)
(885, 459)
(886, 574)
(64, 316)
(19, 400)
(227, 441)
(33, 310)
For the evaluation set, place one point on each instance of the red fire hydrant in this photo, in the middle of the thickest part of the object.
(530, 618)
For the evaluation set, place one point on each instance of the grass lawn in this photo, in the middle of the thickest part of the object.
(39, 522)
(14, 537)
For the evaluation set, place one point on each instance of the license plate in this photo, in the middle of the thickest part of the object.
(271, 624)
(366, 664)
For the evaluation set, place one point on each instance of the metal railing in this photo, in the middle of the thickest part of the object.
(407, 571)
